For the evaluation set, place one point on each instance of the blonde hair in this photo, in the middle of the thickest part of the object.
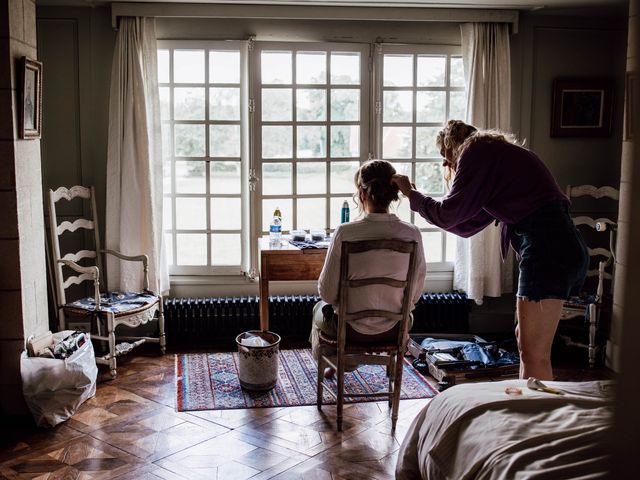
(373, 179)
(457, 136)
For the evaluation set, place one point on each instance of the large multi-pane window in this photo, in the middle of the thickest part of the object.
(420, 88)
(203, 115)
(247, 129)
(312, 117)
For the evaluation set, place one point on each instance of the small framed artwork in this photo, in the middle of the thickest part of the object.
(582, 107)
(31, 108)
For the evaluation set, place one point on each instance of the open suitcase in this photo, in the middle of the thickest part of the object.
(449, 370)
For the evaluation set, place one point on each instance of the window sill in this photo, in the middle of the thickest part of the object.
(180, 280)
(228, 285)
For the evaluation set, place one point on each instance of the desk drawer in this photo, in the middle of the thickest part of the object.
(292, 267)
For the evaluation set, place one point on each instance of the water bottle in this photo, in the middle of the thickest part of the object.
(344, 214)
(275, 229)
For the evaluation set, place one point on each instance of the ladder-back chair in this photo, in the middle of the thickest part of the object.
(342, 351)
(104, 309)
(599, 235)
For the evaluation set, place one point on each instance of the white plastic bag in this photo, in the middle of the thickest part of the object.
(53, 388)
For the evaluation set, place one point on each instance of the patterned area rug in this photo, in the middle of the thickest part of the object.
(209, 381)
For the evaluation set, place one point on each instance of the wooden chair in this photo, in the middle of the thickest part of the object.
(596, 296)
(389, 354)
(111, 308)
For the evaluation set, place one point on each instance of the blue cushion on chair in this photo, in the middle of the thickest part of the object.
(115, 302)
(580, 301)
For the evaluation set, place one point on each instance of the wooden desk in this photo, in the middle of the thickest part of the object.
(285, 262)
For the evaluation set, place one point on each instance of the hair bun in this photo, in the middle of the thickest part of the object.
(374, 179)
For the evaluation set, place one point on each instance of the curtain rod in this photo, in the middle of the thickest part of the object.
(306, 12)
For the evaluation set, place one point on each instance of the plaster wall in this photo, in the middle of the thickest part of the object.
(23, 287)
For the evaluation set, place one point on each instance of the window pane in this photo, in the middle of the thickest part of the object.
(335, 206)
(224, 103)
(168, 245)
(277, 142)
(312, 140)
(224, 67)
(311, 67)
(190, 177)
(345, 105)
(431, 107)
(165, 102)
(450, 246)
(345, 141)
(167, 151)
(311, 177)
(429, 178)
(420, 222)
(191, 214)
(191, 248)
(268, 207)
(398, 106)
(458, 105)
(276, 178)
(163, 66)
(226, 214)
(345, 68)
(426, 142)
(401, 209)
(225, 140)
(188, 66)
(342, 174)
(225, 177)
(276, 104)
(166, 175)
(226, 249)
(402, 168)
(311, 105)
(188, 103)
(189, 140)
(398, 71)
(457, 72)
(276, 67)
(396, 142)
(432, 244)
(431, 71)
(311, 213)
(167, 222)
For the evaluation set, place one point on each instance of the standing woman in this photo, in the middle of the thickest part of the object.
(495, 179)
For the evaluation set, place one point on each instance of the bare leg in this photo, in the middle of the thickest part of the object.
(537, 323)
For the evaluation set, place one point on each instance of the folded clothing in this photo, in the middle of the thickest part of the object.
(469, 354)
(309, 244)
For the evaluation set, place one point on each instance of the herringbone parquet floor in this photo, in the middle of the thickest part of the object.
(130, 430)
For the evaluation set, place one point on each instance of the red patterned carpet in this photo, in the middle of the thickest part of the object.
(209, 381)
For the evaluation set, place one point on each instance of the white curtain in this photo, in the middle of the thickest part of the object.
(479, 270)
(134, 159)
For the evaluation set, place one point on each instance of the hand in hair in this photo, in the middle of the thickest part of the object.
(403, 183)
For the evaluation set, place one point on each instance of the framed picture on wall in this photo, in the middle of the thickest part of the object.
(31, 99)
(582, 107)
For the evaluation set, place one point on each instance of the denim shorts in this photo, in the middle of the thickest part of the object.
(553, 256)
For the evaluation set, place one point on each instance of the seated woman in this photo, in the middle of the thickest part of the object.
(374, 193)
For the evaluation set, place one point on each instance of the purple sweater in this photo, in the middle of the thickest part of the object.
(493, 181)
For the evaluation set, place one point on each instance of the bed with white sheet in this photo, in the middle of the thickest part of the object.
(479, 431)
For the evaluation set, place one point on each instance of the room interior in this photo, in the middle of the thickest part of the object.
(76, 41)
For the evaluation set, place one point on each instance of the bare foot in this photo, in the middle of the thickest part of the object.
(329, 372)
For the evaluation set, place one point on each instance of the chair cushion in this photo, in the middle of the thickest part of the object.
(580, 301)
(119, 303)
